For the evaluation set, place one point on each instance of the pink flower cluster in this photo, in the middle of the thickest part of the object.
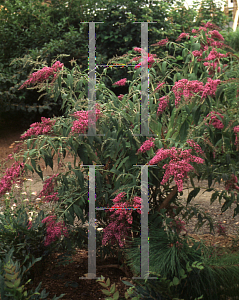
(179, 165)
(43, 74)
(161, 43)
(215, 55)
(39, 128)
(117, 229)
(182, 36)
(121, 82)
(230, 184)
(48, 189)
(162, 104)
(214, 120)
(188, 89)
(210, 36)
(210, 87)
(148, 58)
(236, 130)
(54, 230)
(196, 147)
(216, 35)
(81, 125)
(146, 146)
(178, 225)
(147, 62)
(120, 96)
(197, 53)
(137, 49)
(12, 174)
(159, 86)
(210, 26)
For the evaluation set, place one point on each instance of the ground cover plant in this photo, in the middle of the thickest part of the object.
(193, 97)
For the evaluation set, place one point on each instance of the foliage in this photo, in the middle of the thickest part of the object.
(195, 124)
(36, 30)
(232, 39)
(170, 256)
(27, 244)
(12, 284)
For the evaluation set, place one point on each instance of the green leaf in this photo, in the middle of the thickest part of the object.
(107, 293)
(10, 276)
(176, 281)
(184, 130)
(195, 67)
(182, 272)
(116, 295)
(122, 162)
(37, 168)
(77, 210)
(112, 289)
(30, 168)
(108, 282)
(17, 282)
(69, 217)
(164, 64)
(196, 46)
(184, 53)
(127, 283)
(196, 116)
(69, 80)
(214, 197)
(48, 161)
(103, 284)
(9, 284)
(204, 35)
(189, 269)
(193, 194)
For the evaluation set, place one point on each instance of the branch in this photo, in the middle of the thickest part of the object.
(167, 200)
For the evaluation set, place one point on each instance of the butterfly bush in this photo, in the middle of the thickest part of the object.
(188, 89)
(54, 230)
(44, 74)
(163, 103)
(182, 36)
(214, 120)
(179, 165)
(39, 128)
(196, 147)
(12, 174)
(116, 231)
(161, 42)
(121, 82)
(48, 193)
(81, 124)
(148, 61)
(147, 145)
(236, 130)
(159, 86)
(179, 160)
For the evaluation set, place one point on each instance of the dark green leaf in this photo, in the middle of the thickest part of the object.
(193, 194)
